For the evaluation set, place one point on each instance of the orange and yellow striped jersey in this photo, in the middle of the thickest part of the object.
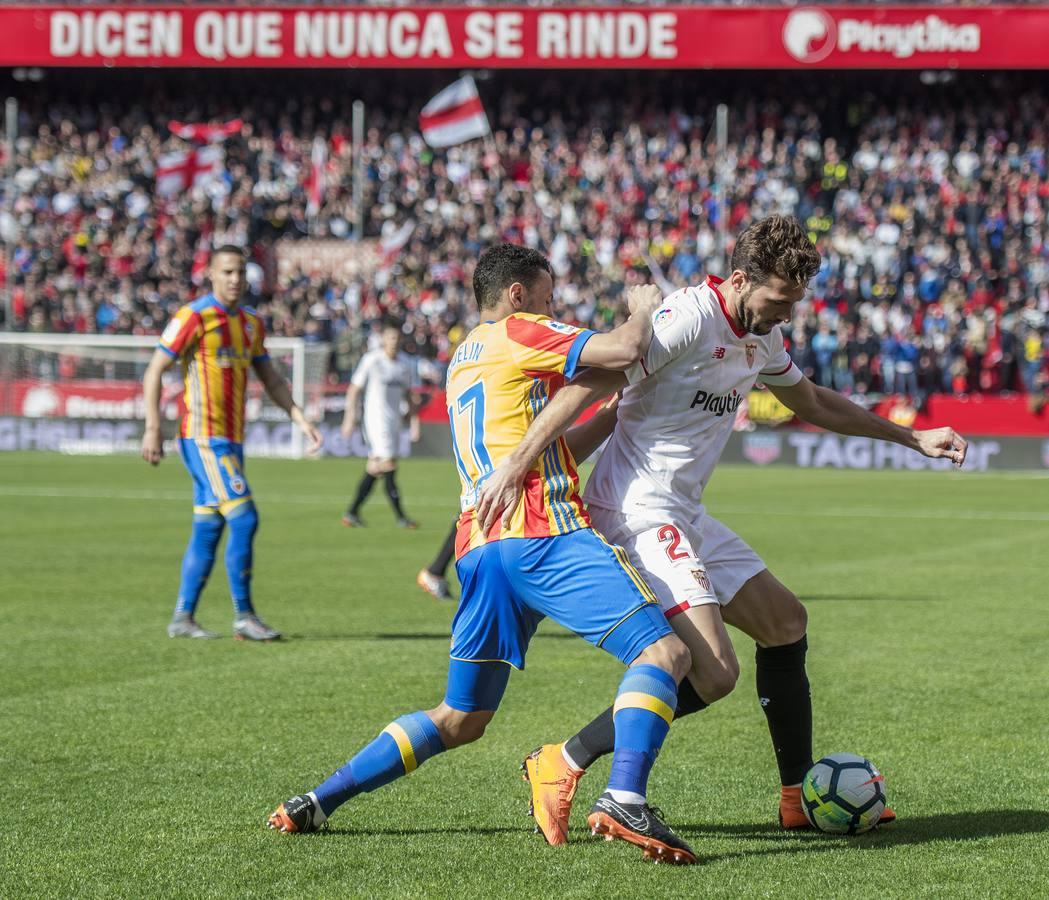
(216, 347)
(500, 378)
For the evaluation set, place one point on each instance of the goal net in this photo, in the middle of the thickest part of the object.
(83, 394)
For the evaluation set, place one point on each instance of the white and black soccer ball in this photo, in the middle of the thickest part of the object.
(843, 794)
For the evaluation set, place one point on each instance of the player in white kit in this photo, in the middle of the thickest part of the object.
(711, 343)
(384, 376)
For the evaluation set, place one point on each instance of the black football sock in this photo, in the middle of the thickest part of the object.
(364, 488)
(593, 741)
(598, 738)
(783, 691)
(688, 701)
(391, 491)
(439, 566)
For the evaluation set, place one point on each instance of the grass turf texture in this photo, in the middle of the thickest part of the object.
(135, 765)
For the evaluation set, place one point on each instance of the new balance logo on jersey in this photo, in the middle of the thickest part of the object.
(719, 405)
(719, 353)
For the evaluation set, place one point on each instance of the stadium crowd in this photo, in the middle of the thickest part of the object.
(928, 203)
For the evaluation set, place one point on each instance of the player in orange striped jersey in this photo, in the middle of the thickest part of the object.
(546, 561)
(217, 340)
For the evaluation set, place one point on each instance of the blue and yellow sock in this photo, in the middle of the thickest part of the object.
(404, 745)
(643, 711)
(198, 558)
(243, 522)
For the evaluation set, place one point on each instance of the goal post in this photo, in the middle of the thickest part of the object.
(82, 393)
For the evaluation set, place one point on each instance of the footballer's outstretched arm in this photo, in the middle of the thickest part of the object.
(620, 348)
(502, 490)
(152, 440)
(828, 409)
(277, 389)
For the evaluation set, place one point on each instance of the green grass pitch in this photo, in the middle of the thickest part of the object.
(137, 766)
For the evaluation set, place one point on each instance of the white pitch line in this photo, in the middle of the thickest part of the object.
(856, 512)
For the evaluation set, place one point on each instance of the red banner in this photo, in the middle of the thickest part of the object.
(977, 414)
(506, 37)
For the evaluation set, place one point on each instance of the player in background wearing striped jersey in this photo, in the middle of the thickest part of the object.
(545, 560)
(216, 341)
(710, 343)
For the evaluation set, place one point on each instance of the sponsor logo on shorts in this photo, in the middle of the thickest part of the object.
(702, 580)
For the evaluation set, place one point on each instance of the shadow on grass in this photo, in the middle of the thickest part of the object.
(969, 826)
(410, 832)
(952, 827)
(444, 636)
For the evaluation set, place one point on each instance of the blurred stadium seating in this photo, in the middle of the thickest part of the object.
(928, 200)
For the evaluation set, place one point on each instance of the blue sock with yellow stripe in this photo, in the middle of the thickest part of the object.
(198, 559)
(243, 523)
(404, 745)
(643, 711)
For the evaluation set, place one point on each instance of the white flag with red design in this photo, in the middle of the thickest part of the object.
(205, 132)
(392, 241)
(455, 115)
(316, 184)
(181, 170)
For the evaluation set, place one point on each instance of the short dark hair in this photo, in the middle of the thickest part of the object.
(390, 323)
(777, 246)
(228, 248)
(501, 266)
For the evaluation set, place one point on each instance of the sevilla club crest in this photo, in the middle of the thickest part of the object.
(749, 350)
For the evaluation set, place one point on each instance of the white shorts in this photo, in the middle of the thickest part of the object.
(382, 444)
(686, 563)
(383, 437)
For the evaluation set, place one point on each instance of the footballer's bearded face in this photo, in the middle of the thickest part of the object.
(228, 277)
(764, 306)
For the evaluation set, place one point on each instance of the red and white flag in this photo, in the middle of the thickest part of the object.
(392, 241)
(455, 115)
(183, 169)
(205, 132)
(316, 185)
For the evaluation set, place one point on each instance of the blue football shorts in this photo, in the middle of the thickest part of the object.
(578, 579)
(217, 468)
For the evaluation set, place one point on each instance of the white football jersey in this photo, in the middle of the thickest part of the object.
(677, 413)
(385, 383)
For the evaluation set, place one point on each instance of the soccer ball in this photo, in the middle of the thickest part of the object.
(843, 794)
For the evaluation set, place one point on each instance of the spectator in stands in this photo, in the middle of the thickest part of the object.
(932, 227)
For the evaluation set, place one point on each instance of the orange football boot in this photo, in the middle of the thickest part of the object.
(791, 815)
(553, 782)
